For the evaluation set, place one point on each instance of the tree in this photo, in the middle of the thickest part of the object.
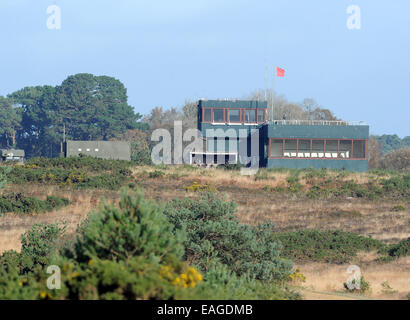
(396, 160)
(374, 152)
(88, 107)
(10, 122)
(140, 152)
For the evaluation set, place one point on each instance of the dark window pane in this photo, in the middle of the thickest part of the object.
(207, 115)
(290, 148)
(234, 115)
(250, 115)
(276, 148)
(219, 115)
(359, 149)
(345, 149)
(318, 148)
(261, 115)
(304, 149)
(331, 149)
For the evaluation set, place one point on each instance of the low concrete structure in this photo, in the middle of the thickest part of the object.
(113, 150)
(12, 155)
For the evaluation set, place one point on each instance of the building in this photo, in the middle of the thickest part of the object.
(12, 155)
(114, 150)
(238, 131)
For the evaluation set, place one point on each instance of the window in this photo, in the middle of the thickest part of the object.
(304, 149)
(276, 148)
(207, 115)
(331, 148)
(290, 148)
(261, 115)
(234, 115)
(317, 148)
(345, 149)
(219, 115)
(359, 149)
(250, 115)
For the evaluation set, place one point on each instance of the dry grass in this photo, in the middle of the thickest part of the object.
(329, 278)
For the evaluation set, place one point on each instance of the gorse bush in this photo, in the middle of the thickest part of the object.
(84, 162)
(78, 172)
(324, 246)
(18, 203)
(215, 234)
(400, 249)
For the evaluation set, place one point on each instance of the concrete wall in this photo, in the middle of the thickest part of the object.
(115, 150)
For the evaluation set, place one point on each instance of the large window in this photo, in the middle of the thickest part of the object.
(359, 149)
(317, 148)
(261, 115)
(234, 115)
(250, 115)
(219, 115)
(206, 115)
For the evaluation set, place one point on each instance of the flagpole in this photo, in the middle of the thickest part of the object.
(273, 92)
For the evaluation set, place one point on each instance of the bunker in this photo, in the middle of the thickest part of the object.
(113, 150)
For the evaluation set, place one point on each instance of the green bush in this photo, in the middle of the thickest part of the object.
(324, 246)
(156, 174)
(214, 233)
(74, 163)
(38, 246)
(221, 283)
(18, 203)
(78, 172)
(400, 249)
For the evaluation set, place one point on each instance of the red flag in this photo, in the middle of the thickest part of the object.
(280, 72)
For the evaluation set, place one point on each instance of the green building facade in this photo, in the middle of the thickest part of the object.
(238, 131)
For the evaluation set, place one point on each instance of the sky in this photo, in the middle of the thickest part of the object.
(166, 52)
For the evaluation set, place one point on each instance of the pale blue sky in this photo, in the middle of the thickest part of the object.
(168, 51)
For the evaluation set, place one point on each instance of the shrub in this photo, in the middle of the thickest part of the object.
(196, 187)
(222, 283)
(231, 166)
(324, 246)
(396, 160)
(400, 249)
(214, 233)
(398, 208)
(136, 228)
(156, 174)
(18, 203)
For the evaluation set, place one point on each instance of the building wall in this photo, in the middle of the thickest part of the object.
(115, 150)
(242, 132)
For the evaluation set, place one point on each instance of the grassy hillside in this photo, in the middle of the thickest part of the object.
(317, 220)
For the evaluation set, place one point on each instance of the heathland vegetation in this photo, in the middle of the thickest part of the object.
(196, 233)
